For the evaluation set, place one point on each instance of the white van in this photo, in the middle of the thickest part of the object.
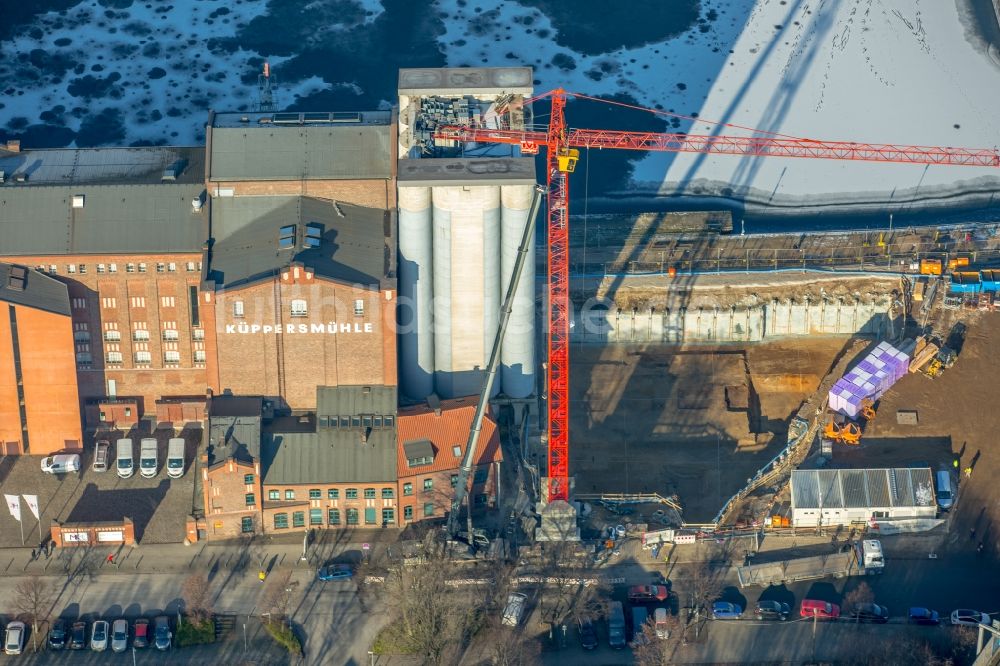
(124, 461)
(514, 609)
(945, 492)
(175, 458)
(147, 457)
(63, 463)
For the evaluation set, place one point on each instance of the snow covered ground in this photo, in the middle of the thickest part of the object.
(887, 71)
(893, 71)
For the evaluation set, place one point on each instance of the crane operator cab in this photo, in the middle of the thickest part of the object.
(566, 159)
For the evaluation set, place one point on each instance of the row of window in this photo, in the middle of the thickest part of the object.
(358, 421)
(142, 357)
(333, 517)
(168, 267)
(331, 493)
(138, 335)
(299, 308)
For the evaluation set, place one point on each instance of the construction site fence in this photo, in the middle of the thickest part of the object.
(679, 263)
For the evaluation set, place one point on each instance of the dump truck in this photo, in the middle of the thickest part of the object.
(860, 558)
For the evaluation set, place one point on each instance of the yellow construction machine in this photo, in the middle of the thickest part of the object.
(848, 433)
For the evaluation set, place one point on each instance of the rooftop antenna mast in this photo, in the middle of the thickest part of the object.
(265, 89)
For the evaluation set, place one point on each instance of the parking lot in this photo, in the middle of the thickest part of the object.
(158, 506)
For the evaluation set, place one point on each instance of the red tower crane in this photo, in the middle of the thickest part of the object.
(562, 152)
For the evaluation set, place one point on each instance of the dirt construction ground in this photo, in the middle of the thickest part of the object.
(960, 408)
(654, 418)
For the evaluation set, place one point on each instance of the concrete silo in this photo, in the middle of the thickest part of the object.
(478, 200)
(416, 296)
(466, 285)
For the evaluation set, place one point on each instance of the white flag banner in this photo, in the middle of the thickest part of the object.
(32, 502)
(14, 506)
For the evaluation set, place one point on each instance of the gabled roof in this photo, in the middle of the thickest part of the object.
(21, 285)
(355, 400)
(356, 244)
(296, 146)
(444, 432)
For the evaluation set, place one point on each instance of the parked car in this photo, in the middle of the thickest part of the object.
(641, 594)
(820, 609)
(660, 623)
(588, 635)
(161, 632)
(119, 635)
(78, 636)
(616, 625)
(57, 635)
(175, 457)
(969, 618)
(101, 453)
(99, 636)
(13, 641)
(772, 610)
(514, 609)
(925, 616)
(63, 463)
(870, 613)
(147, 457)
(639, 617)
(124, 461)
(723, 610)
(945, 494)
(334, 572)
(140, 633)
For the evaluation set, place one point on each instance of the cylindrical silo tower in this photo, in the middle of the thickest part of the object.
(517, 357)
(466, 255)
(416, 291)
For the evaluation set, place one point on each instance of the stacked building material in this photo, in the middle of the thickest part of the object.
(869, 379)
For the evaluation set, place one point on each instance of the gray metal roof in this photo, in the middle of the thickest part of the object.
(21, 285)
(234, 437)
(861, 488)
(466, 80)
(322, 151)
(236, 405)
(108, 166)
(355, 400)
(460, 170)
(418, 448)
(329, 456)
(114, 219)
(357, 244)
(248, 120)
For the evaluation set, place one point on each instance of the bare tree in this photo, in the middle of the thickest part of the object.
(652, 649)
(433, 617)
(277, 594)
(862, 594)
(572, 588)
(197, 600)
(510, 648)
(704, 583)
(33, 599)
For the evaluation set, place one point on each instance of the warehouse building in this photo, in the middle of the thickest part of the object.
(300, 265)
(122, 229)
(824, 497)
(39, 408)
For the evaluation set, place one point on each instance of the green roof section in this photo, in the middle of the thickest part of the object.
(289, 146)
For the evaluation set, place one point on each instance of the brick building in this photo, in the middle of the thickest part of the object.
(39, 409)
(432, 439)
(123, 229)
(300, 264)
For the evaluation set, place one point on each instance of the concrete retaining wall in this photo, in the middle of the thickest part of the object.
(756, 323)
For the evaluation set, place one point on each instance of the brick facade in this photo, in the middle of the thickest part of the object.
(419, 502)
(48, 381)
(118, 301)
(227, 496)
(330, 343)
(330, 506)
